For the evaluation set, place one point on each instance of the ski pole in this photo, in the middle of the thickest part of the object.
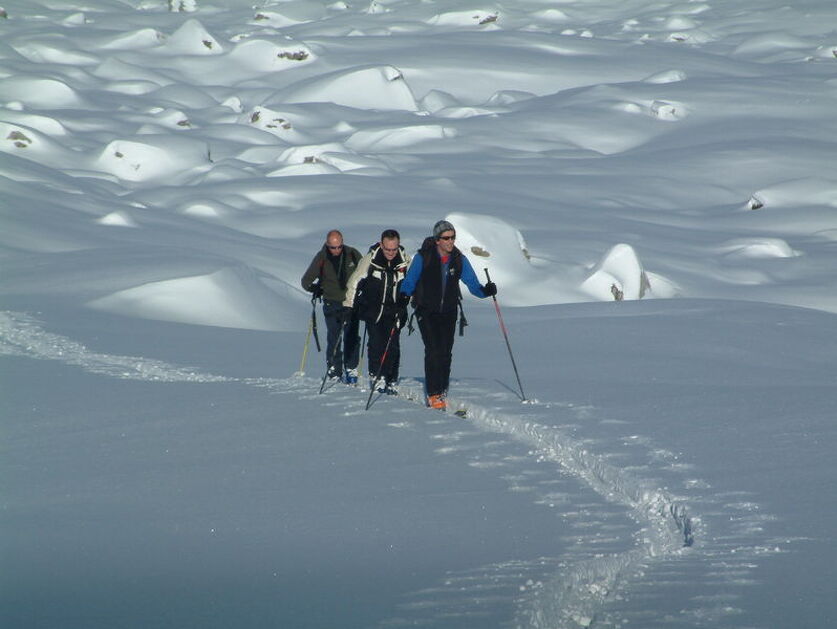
(506, 336)
(314, 322)
(305, 350)
(362, 352)
(333, 354)
(381, 366)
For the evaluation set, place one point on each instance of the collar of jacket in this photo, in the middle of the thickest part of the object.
(381, 262)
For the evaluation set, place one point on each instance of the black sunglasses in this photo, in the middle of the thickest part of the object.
(446, 238)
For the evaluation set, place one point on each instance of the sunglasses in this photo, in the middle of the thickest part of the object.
(446, 238)
(388, 250)
(334, 246)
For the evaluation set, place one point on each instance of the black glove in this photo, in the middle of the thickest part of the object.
(490, 289)
(403, 301)
(344, 315)
(402, 317)
(316, 290)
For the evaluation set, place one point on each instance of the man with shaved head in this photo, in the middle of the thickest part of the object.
(327, 277)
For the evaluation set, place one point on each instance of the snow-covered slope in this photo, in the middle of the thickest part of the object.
(650, 185)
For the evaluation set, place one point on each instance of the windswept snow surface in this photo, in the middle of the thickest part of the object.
(652, 187)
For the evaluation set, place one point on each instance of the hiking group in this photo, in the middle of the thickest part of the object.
(376, 288)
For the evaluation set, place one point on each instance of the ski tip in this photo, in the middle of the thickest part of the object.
(461, 412)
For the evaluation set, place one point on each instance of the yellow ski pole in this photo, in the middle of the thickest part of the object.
(301, 371)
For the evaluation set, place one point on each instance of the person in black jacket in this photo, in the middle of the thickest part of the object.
(433, 281)
(327, 276)
(373, 293)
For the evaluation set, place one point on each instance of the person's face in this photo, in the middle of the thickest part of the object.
(446, 241)
(390, 247)
(335, 245)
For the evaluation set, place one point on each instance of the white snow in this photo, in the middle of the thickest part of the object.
(650, 185)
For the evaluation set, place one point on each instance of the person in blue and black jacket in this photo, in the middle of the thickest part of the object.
(433, 283)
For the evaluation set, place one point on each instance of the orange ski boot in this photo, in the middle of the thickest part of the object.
(437, 401)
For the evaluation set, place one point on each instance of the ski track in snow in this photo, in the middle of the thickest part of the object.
(21, 335)
(576, 592)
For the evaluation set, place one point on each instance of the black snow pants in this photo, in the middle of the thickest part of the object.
(349, 352)
(377, 344)
(438, 330)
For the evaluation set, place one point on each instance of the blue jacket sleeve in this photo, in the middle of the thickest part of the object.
(471, 280)
(408, 286)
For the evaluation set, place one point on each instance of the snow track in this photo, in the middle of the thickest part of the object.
(22, 335)
(577, 592)
(574, 595)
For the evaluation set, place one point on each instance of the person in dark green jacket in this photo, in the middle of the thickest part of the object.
(327, 277)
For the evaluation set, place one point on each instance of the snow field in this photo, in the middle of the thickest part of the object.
(650, 186)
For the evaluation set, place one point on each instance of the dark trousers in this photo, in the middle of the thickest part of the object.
(438, 332)
(348, 350)
(379, 336)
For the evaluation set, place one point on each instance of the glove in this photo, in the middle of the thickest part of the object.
(344, 315)
(403, 301)
(317, 290)
(402, 316)
(490, 289)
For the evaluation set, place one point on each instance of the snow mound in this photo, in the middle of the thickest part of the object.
(152, 157)
(350, 161)
(229, 298)
(314, 167)
(132, 40)
(375, 87)
(797, 193)
(265, 56)
(766, 43)
(192, 39)
(618, 275)
(758, 248)
(668, 76)
(478, 17)
(274, 122)
(397, 137)
(45, 124)
(463, 112)
(492, 243)
(308, 154)
(39, 93)
(117, 219)
(668, 110)
(205, 208)
(436, 100)
(508, 97)
(74, 19)
(30, 143)
(551, 15)
(291, 12)
(54, 52)
(826, 52)
(274, 19)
